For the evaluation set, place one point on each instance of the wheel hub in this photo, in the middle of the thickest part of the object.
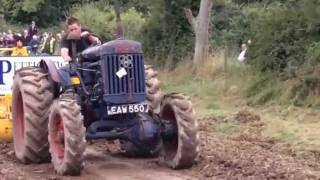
(168, 130)
(19, 122)
(58, 137)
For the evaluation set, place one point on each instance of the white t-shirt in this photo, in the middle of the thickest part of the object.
(242, 55)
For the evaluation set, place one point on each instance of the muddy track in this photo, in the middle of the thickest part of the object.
(102, 161)
(247, 156)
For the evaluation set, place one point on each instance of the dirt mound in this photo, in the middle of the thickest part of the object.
(246, 116)
(255, 139)
(210, 121)
(247, 157)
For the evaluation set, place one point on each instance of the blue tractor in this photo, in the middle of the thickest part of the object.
(116, 97)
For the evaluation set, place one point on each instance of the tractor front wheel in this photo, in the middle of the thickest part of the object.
(181, 148)
(66, 136)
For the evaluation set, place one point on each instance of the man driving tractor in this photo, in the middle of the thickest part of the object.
(84, 40)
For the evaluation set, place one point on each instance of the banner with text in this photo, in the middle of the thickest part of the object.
(9, 65)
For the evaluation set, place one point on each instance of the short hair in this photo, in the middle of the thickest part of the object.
(72, 20)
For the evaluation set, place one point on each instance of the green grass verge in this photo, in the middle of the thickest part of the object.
(217, 91)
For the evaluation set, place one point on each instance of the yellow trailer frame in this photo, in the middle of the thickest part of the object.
(5, 118)
(6, 127)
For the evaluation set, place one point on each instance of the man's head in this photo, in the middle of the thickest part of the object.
(73, 27)
(59, 36)
(243, 47)
(33, 23)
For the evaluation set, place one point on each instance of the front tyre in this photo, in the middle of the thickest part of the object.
(66, 136)
(181, 149)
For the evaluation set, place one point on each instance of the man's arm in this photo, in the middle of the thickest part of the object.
(65, 54)
(91, 37)
(94, 39)
(65, 50)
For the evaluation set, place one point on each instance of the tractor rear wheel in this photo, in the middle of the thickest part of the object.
(181, 150)
(31, 101)
(153, 92)
(66, 136)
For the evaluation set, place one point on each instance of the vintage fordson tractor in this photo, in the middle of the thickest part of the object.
(115, 96)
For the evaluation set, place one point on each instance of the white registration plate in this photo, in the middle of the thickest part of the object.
(128, 108)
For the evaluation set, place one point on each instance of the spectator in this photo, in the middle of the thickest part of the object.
(19, 50)
(3, 42)
(52, 44)
(43, 42)
(57, 44)
(242, 55)
(63, 33)
(58, 37)
(34, 44)
(49, 44)
(26, 37)
(10, 39)
(18, 37)
(33, 29)
(4, 35)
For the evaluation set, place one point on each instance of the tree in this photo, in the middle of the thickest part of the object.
(44, 12)
(167, 37)
(104, 22)
(200, 26)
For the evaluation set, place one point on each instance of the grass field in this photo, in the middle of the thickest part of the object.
(224, 92)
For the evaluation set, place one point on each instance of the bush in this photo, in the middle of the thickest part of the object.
(167, 34)
(5, 26)
(285, 43)
(229, 24)
(100, 19)
(278, 42)
(132, 22)
(97, 17)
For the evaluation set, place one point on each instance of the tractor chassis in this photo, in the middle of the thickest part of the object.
(137, 129)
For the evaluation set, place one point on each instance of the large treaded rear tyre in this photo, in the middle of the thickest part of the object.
(32, 97)
(153, 92)
(182, 150)
(66, 136)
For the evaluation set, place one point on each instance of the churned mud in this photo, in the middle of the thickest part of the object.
(246, 156)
